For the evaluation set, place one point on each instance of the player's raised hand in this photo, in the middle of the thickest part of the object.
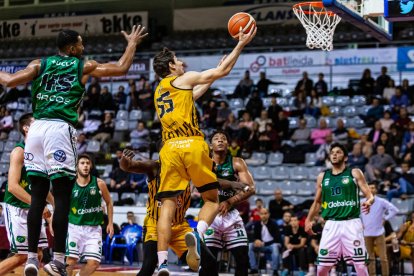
(308, 227)
(110, 230)
(136, 35)
(245, 39)
(126, 158)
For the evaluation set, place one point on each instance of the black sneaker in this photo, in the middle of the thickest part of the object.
(32, 267)
(55, 268)
(275, 273)
(254, 272)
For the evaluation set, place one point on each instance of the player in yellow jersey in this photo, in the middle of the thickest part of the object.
(179, 225)
(185, 154)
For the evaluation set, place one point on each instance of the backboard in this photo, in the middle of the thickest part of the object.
(368, 15)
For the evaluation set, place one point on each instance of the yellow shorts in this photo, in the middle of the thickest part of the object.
(405, 251)
(183, 159)
(178, 231)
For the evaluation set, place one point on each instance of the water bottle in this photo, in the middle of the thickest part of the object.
(395, 246)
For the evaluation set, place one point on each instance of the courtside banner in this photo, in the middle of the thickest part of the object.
(217, 17)
(112, 23)
(406, 58)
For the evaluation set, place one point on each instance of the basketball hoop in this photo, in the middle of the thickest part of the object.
(319, 24)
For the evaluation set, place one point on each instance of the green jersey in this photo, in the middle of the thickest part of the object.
(24, 182)
(227, 172)
(58, 91)
(340, 196)
(85, 204)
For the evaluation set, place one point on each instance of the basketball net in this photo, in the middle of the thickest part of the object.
(319, 24)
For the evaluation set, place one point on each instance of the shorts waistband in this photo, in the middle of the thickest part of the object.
(185, 138)
(342, 219)
(55, 120)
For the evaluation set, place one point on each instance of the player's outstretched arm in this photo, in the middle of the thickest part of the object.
(200, 89)
(209, 76)
(316, 205)
(148, 167)
(21, 77)
(121, 67)
(16, 165)
(362, 183)
(109, 205)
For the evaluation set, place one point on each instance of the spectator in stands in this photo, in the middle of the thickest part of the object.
(255, 213)
(263, 120)
(255, 105)
(94, 84)
(234, 148)
(287, 216)
(387, 143)
(382, 80)
(301, 137)
(313, 245)
(137, 182)
(106, 101)
(396, 135)
(155, 82)
(321, 87)
(315, 104)
(119, 182)
(405, 182)
(282, 126)
(81, 118)
(403, 119)
(132, 98)
(269, 139)
(279, 205)
(1, 215)
(273, 110)
(367, 83)
(322, 154)
(92, 98)
(386, 121)
(374, 230)
(374, 134)
(145, 97)
(92, 123)
(120, 98)
(389, 91)
(305, 84)
(379, 165)
(366, 145)
(406, 236)
(210, 114)
(263, 84)
(81, 143)
(374, 113)
(116, 159)
(266, 239)
(245, 86)
(393, 257)
(318, 135)
(398, 100)
(295, 244)
(131, 220)
(340, 134)
(408, 139)
(140, 137)
(223, 113)
(246, 127)
(231, 126)
(356, 158)
(141, 82)
(300, 104)
(244, 211)
(106, 129)
(406, 89)
(6, 125)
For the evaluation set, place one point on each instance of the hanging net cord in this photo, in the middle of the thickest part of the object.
(319, 24)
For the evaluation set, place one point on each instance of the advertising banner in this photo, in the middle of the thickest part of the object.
(406, 59)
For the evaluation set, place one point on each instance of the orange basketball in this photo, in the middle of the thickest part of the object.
(243, 20)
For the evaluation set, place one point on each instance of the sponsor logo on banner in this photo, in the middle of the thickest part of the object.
(361, 56)
(280, 60)
(85, 25)
(406, 59)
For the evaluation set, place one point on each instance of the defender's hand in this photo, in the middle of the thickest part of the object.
(136, 35)
(224, 208)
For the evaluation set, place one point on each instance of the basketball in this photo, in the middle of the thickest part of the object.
(243, 20)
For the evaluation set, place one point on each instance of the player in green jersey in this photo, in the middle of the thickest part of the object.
(18, 199)
(337, 193)
(86, 218)
(57, 91)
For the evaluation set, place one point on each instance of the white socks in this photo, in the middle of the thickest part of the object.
(202, 227)
(162, 256)
(60, 257)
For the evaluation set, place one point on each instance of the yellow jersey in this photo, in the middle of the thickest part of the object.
(153, 205)
(176, 110)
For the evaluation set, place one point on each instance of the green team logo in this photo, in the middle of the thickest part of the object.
(20, 239)
(72, 244)
(323, 252)
(93, 191)
(209, 232)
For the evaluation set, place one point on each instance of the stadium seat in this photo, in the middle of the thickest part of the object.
(114, 196)
(328, 100)
(342, 100)
(266, 187)
(356, 122)
(363, 110)
(350, 111)
(404, 206)
(121, 125)
(122, 115)
(280, 173)
(275, 159)
(236, 103)
(311, 122)
(310, 158)
(128, 239)
(396, 222)
(2, 180)
(128, 195)
(5, 157)
(1, 146)
(135, 115)
(288, 188)
(9, 146)
(141, 200)
(132, 125)
(257, 159)
(295, 200)
(335, 111)
(261, 173)
(14, 135)
(306, 188)
(358, 100)
(266, 102)
(155, 156)
(293, 122)
(283, 102)
(4, 169)
(298, 173)
(93, 146)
